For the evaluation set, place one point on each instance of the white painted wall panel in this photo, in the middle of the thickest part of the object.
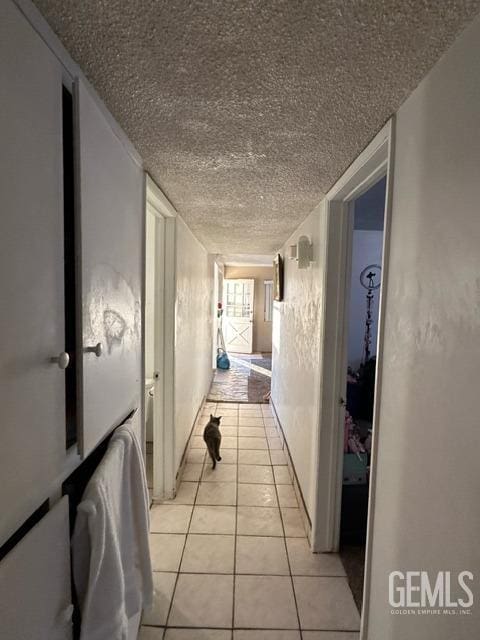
(35, 584)
(193, 332)
(111, 255)
(428, 480)
(295, 352)
(32, 389)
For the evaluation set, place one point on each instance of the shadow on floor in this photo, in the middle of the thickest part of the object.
(353, 558)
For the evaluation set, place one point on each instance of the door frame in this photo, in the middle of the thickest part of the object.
(252, 313)
(372, 164)
(163, 401)
(216, 320)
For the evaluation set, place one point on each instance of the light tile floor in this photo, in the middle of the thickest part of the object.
(230, 554)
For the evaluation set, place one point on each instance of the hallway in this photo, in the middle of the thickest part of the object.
(276, 180)
(230, 553)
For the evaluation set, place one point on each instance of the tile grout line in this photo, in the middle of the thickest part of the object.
(227, 573)
(316, 630)
(182, 554)
(288, 558)
(336, 631)
(203, 533)
(234, 577)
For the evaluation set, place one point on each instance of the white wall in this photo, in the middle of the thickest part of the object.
(366, 250)
(427, 512)
(295, 352)
(193, 332)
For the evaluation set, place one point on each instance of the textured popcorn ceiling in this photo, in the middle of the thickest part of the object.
(246, 112)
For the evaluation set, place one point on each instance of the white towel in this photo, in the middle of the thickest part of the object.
(111, 558)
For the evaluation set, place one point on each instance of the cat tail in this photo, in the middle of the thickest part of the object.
(217, 450)
(211, 453)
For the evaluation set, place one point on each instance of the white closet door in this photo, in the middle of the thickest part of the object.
(32, 389)
(35, 588)
(112, 197)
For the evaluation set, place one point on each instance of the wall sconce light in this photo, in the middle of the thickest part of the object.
(302, 252)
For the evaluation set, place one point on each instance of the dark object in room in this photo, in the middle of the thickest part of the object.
(366, 382)
(354, 514)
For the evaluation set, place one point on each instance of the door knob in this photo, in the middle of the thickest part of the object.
(63, 360)
(97, 349)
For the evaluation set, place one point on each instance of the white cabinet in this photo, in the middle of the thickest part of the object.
(32, 389)
(35, 575)
(110, 251)
(35, 588)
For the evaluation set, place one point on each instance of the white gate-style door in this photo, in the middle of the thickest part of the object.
(238, 324)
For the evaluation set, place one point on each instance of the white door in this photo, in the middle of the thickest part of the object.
(111, 214)
(32, 323)
(238, 319)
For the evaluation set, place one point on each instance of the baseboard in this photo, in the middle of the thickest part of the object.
(293, 474)
(181, 466)
(187, 445)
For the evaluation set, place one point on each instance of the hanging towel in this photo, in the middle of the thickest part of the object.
(111, 559)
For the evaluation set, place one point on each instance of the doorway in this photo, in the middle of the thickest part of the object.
(158, 341)
(372, 166)
(238, 295)
(154, 275)
(365, 258)
(245, 319)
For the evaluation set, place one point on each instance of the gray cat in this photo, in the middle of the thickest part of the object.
(213, 438)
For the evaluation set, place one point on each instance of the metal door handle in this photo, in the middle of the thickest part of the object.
(97, 349)
(63, 360)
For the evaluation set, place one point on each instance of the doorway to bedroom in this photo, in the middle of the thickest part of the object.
(365, 258)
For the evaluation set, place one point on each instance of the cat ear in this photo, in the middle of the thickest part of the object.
(211, 416)
(219, 418)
